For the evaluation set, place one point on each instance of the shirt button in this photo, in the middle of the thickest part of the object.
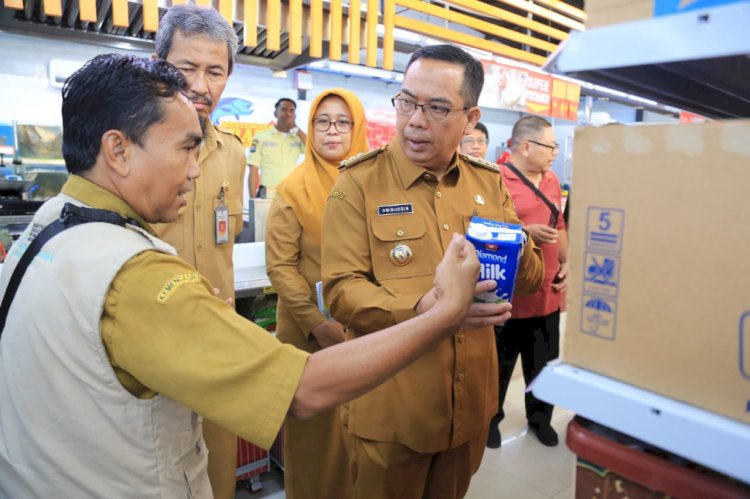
(400, 233)
(439, 194)
(197, 207)
(461, 338)
(445, 227)
(200, 247)
(461, 376)
(427, 176)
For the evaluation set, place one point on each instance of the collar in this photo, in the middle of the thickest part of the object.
(408, 171)
(211, 141)
(95, 196)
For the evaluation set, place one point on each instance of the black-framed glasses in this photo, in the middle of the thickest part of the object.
(324, 124)
(407, 107)
(475, 140)
(553, 147)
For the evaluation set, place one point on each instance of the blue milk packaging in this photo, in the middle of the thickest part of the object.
(499, 246)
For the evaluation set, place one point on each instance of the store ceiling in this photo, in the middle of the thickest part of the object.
(32, 20)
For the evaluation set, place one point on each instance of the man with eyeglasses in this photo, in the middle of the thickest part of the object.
(389, 218)
(534, 331)
(476, 142)
(274, 152)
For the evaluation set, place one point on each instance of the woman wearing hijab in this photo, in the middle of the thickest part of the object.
(315, 459)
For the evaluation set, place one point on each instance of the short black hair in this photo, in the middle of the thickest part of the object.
(473, 82)
(113, 92)
(480, 126)
(528, 127)
(284, 99)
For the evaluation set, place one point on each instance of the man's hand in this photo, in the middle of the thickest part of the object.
(542, 234)
(328, 333)
(455, 280)
(230, 300)
(486, 314)
(561, 278)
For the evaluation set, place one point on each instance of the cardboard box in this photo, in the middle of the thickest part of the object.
(605, 12)
(659, 284)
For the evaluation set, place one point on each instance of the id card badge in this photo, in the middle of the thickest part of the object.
(222, 224)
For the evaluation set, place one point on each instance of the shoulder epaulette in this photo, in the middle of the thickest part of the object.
(483, 163)
(348, 163)
(225, 131)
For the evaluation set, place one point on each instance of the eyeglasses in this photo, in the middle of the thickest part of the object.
(475, 140)
(324, 124)
(407, 107)
(553, 147)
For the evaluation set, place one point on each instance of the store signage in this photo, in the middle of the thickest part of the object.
(381, 127)
(524, 90)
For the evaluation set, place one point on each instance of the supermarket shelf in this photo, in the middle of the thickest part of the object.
(715, 441)
(697, 60)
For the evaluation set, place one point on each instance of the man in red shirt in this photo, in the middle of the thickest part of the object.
(534, 329)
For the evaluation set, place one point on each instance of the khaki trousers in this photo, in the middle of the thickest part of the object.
(388, 470)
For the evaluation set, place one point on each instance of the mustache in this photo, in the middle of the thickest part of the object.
(201, 99)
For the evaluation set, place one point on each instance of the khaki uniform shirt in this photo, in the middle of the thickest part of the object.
(276, 154)
(193, 234)
(448, 395)
(293, 266)
(190, 345)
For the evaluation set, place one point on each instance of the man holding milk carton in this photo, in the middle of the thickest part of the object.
(389, 219)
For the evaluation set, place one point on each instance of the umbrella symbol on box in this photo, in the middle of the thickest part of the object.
(598, 304)
(602, 272)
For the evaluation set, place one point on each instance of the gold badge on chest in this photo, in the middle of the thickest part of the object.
(478, 199)
(401, 254)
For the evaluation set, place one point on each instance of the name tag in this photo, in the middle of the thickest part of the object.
(395, 209)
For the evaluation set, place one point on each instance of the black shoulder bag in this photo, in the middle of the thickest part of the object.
(554, 210)
(70, 216)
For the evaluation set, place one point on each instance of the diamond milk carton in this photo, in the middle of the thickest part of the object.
(499, 246)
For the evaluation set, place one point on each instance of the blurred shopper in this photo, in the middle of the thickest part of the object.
(388, 220)
(201, 44)
(534, 330)
(475, 142)
(274, 152)
(101, 393)
(314, 454)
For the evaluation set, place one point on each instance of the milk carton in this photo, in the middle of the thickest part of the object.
(499, 246)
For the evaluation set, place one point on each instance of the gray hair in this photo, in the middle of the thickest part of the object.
(191, 20)
(528, 127)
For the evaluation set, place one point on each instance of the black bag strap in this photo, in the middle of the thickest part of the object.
(554, 210)
(70, 216)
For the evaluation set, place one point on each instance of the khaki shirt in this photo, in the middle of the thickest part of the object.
(448, 395)
(293, 266)
(191, 347)
(193, 234)
(276, 154)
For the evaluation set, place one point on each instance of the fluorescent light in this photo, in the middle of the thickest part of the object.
(610, 91)
(355, 70)
(643, 100)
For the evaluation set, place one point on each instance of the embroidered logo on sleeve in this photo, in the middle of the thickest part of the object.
(337, 195)
(174, 284)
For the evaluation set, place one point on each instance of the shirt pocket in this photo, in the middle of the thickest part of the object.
(408, 232)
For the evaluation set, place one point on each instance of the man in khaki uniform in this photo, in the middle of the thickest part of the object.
(201, 44)
(388, 221)
(274, 152)
(133, 344)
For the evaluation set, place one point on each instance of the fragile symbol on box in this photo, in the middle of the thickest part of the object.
(601, 274)
(599, 316)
